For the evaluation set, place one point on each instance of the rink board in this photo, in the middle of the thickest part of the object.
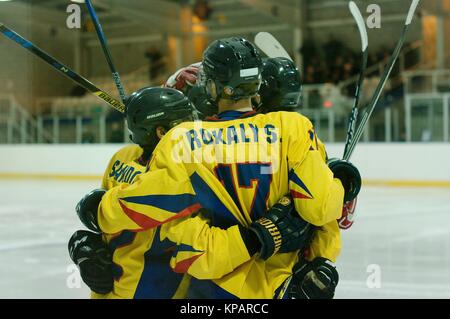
(391, 164)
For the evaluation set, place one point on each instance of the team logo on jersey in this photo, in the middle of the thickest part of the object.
(192, 255)
(301, 191)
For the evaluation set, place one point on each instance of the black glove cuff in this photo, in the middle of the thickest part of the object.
(251, 241)
(269, 236)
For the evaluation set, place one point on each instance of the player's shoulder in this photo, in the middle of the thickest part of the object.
(175, 135)
(290, 118)
(128, 153)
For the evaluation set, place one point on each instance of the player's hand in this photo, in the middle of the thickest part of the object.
(314, 280)
(281, 230)
(348, 215)
(93, 258)
(183, 78)
(349, 176)
(87, 209)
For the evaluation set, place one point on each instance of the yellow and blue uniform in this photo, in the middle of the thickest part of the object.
(140, 260)
(233, 168)
(124, 167)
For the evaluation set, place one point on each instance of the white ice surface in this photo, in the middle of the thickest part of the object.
(404, 231)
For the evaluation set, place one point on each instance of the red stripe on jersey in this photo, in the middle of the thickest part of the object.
(183, 266)
(145, 222)
(299, 195)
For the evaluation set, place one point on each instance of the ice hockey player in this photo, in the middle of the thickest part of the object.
(122, 269)
(114, 270)
(281, 90)
(233, 189)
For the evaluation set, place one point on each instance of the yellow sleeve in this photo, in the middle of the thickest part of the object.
(317, 195)
(204, 251)
(154, 199)
(326, 243)
(106, 184)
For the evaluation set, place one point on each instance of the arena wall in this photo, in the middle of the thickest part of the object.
(393, 164)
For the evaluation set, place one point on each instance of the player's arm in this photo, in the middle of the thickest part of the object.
(154, 199)
(326, 242)
(348, 210)
(317, 190)
(208, 252)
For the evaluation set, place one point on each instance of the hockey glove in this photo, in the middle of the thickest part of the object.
(349, 176)
(93, 258)
(183, 78)
(87, 209)
(314, 280)
(280, 230)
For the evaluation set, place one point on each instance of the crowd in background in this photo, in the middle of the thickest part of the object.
(334, 62)
(330, 63)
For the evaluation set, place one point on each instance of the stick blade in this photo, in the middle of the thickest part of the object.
(361, 24)
(270, 46)
(411, 12)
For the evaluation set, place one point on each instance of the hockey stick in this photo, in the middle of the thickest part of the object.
(119, 106)
(270, 46)
(387, 72)
(106, 51)
(365, 54)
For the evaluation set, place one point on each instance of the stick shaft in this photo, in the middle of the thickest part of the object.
(387, 72)
(365, 54)
(106, 51)
(119, 106)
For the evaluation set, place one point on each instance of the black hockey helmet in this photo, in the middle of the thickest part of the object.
(232, 69)
(150, 107)
(198, 96)
(281, 88)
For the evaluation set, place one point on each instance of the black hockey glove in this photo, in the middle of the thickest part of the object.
(348, 175)
(87, 209)
(280, 230)
(314, 280)
(93, 258)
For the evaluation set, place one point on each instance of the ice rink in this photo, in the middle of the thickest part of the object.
(401, 237)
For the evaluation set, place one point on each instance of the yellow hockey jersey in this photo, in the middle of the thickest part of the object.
(123, 168)
(140, 260)
(233, 169)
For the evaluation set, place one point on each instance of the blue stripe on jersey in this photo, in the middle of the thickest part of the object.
(220, 215)
(294, 178)
(171, 203)
(158, 281)
(184, 247)
(124, 239)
